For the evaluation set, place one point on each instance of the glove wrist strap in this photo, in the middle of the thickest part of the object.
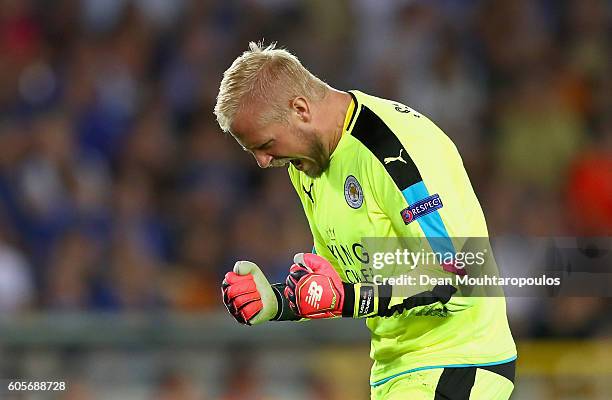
(362, 300)
(284, 313)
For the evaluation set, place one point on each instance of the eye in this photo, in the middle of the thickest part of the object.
(266, 145)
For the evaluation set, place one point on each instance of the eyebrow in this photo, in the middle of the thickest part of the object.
(258, 147)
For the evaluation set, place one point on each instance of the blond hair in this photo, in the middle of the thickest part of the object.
(265, 76)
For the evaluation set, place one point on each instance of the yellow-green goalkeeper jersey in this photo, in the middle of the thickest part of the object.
(394, 173)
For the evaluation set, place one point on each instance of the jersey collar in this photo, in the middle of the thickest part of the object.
(351, 112)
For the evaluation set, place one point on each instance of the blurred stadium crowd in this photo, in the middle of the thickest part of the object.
(118, 192)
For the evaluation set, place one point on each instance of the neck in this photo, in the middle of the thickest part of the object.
(336, 103)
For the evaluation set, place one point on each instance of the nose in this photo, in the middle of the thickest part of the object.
(263, 160)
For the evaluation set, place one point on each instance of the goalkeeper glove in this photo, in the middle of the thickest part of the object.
(247, 294)
(314, 290)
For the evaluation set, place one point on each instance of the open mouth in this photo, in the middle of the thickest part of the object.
(297, 163)
(279, 162)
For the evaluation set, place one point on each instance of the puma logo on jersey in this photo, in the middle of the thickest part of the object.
(309, 192)
(315, 291)
(398, 158)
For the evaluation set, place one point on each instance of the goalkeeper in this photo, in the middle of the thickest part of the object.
(366, 167)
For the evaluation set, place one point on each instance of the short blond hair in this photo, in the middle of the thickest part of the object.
(267, 76)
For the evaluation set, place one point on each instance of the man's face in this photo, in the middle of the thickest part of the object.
(278, 143)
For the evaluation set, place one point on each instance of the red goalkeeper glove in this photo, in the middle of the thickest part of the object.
(314, 289)
(247, 294)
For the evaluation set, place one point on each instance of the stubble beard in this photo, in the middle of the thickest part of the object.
(318, 158)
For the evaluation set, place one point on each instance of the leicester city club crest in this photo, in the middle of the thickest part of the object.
(353, 193)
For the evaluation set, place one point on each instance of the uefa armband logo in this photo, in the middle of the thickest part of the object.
(421, 208)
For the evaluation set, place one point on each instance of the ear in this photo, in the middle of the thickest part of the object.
(300, 107)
